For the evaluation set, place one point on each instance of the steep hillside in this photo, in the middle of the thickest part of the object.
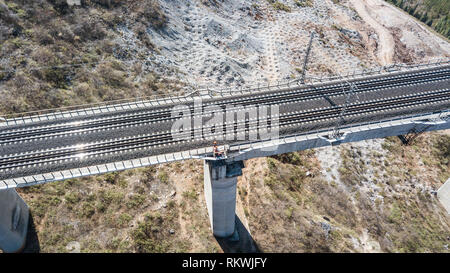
(373, 196)
(54, 55)
(434, 13)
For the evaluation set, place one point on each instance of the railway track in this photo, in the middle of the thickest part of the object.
(89, 150)
(284, 97)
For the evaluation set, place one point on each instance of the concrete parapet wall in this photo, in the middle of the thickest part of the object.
(310, 141)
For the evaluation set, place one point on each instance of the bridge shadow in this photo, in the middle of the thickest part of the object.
(327, 98)
(240, 242)
(32, 244)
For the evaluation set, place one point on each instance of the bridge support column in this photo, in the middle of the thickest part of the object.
(220, 181)
(14, 215)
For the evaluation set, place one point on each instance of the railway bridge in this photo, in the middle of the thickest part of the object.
(256, 121)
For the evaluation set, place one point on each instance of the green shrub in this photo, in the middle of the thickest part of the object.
(146, 236)
(163, 177)
(72, 197)
(308, 3)
(279, 6)
(136, 200)
(87, 210)
(124, 219)
(191, 194)
(111, 197)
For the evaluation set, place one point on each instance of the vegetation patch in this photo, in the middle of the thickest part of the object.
(353, 167)
(76, 57)
(150, 234)
(279, 6)
(434, 13)
(304, 3)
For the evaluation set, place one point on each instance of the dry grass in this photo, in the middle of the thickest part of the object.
(142, 210)
(55, 55)
(289, 211)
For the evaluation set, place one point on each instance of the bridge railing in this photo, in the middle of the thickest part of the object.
(249, 145)
(256, 88)
(383, 70)
(29, 180)
(88, 109)
(149, 101)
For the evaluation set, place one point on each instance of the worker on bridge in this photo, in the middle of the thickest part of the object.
(216, 152)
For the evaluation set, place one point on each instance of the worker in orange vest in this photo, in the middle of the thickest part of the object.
(216, 150)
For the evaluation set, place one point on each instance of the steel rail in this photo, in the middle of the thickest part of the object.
(144, 118)
(166, 138)
(412, 76)
(43, 114)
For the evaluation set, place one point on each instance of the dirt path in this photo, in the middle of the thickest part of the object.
(386, 40)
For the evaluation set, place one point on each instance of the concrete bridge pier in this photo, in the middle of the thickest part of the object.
(14, 215)
(220, 181)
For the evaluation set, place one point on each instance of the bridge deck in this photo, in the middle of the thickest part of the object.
(59, 144)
